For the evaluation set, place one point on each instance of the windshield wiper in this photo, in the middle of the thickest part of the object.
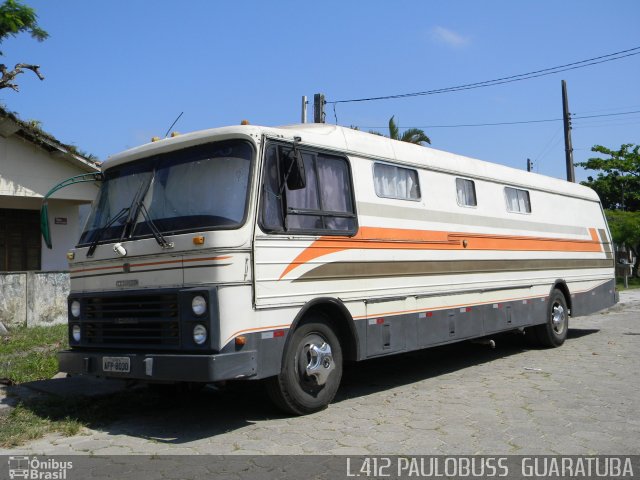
(135, 207)
(162, 241)
(98, 236)
(138, 207)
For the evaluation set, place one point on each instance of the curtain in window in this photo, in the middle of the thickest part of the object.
(396, 182)
(466, 192)
(518, 200)
(305, 198)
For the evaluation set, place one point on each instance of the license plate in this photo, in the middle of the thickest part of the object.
(116, 364)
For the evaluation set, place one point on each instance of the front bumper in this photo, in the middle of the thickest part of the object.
(164, 367)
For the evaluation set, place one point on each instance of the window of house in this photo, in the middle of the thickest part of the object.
(391, 181)
(517, 200)
(326, 203)
(466, 192)
(20, 245)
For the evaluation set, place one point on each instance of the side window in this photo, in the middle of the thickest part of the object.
(325, 205)
(391, 181)
(466, 192)
(517, 200)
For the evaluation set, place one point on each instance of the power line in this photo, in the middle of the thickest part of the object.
(513, 78)
(519, 122)
(606, 115)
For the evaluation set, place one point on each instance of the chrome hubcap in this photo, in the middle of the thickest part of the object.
(319, 360)
(558, 318)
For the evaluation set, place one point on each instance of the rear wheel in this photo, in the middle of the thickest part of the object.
(311, 370)
(553, 332)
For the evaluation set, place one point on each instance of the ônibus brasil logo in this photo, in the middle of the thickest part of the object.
(36, 469)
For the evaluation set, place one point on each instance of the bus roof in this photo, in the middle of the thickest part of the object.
(357, 143)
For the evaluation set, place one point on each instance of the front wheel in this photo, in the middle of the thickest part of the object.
(311, 370)
(553, 332)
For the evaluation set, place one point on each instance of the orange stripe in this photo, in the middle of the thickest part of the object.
(446, 307)
(375, 238)
(165, 262)
(257, 329)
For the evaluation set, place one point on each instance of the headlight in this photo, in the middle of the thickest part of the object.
(75, 308)
(198, 305)
(75, 332)
(199, 334)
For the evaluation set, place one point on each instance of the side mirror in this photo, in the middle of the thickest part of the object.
(44, 225)
(293, 168)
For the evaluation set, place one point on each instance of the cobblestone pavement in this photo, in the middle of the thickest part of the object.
(581, 398)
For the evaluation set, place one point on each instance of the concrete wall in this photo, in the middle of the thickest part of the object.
(33, 298)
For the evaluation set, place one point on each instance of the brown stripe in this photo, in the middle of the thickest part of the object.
(357, 270)
(606, 246)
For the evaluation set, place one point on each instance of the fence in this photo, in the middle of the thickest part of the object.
(33, 298)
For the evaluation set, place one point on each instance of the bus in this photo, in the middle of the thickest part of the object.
(278, 254)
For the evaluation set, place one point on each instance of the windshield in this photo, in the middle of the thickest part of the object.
(198, 188)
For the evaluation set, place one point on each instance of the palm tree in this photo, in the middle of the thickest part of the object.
(411, 135)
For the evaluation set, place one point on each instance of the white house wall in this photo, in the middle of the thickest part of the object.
(27, 170)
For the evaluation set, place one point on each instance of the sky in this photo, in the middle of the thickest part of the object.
(119, 72)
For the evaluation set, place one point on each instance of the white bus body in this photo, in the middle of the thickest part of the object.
(389, 247)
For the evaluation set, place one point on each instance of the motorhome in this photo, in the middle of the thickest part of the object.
(278, 254)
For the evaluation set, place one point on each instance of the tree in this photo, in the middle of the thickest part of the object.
(618, 186)
(16, 18)
(618, 183)
(625, 230)
(411, 135)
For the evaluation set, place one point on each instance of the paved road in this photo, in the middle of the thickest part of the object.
(465, 399)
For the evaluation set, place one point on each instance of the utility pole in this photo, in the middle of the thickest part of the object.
(304, 108)
(318, 108)
(568, 148)
(529, 165)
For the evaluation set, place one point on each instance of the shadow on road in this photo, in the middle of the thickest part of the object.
(173, 416)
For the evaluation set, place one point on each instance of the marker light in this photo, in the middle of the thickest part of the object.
(155, 139)
(199, 334)
(244, 122)
(199, 240)
(175, 134)
(71, 255)
(241, 340)
(198, 305)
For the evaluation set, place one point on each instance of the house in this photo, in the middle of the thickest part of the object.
(31, 163)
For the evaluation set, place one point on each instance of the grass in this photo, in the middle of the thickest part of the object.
(634, 282)
(36, 417)
(29, 354)
(33, 418)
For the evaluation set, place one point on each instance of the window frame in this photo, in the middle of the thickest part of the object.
(296, 211)
(506, 200)
(475, 193)
(373, 177)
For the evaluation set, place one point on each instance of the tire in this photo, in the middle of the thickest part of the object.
(553, 332)
(311, 370)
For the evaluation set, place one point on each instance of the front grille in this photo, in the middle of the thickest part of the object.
(132, 320)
